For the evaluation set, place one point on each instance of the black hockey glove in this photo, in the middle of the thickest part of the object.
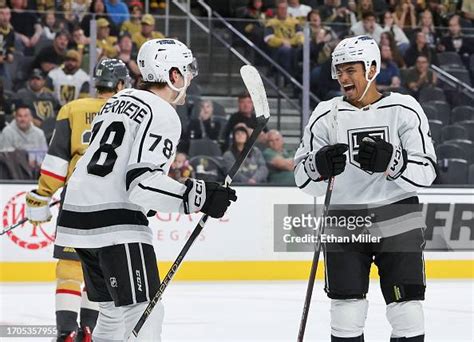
(374, 154)
(218, 199)
(211, 198)
(377, 155)
(330, 160)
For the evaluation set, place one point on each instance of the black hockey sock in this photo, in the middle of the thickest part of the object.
(347, 339)
(66, 321)
(89, 318)
(419, 338)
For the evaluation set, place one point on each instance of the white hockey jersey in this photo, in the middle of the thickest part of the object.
(395, 118)
(123, 174)
(68, 87)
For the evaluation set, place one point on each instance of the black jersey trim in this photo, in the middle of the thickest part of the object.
(305, 183)
(160, 191)
(311, 129)
(101, 218)
(60, 145)
(135, 173)
(413, 183)
(417, 162)
(418, 116)
(147, 125)
(346, 110)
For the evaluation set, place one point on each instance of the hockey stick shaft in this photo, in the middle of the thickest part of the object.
(261, 122)
(314, 265)
(22, 221)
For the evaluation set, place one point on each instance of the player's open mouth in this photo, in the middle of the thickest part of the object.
(348, 89)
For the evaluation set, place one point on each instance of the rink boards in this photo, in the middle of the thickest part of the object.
(240, 246)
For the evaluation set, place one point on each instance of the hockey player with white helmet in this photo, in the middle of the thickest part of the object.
(379, 148)
(122, 179)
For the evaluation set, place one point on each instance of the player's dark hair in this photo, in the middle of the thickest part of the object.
(144, 85)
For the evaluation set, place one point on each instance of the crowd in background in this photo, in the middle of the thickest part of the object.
(44, 63)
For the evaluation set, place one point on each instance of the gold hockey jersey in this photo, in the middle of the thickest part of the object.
(69, 142)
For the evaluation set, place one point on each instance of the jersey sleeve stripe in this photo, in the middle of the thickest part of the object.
(53, 175)
(135, 173)
(55, 165)
(311, 129)
(419, 120)
(413, 183)
(160, 191)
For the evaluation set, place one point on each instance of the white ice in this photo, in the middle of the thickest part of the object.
(257, 311)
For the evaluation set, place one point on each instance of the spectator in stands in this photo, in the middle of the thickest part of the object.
(80, 43)
(79, 9)
(106, 43)
(367, 26)
(128, 54)
(258, 14)
(133, 24)
(118, 11)
(51, 57)
(7, 45)
(50, 25)
(279, 161)
(389, 76)
(420, 47)
(254, 169)
(180, 169)
(244, 115)
(391, 26)
(405, 12)
(97, 11)
(332, 12)
(69, 82)
(323, 40)
(457, 42)
(322, 83)
(147, 31)
(204, 126)
(297, 10)
(284, 37)
(420, 76)
(41, 101)
(427, 27)
(21, 134)
(386, 39)
(26, 24)
(68, 21)
(362, 7)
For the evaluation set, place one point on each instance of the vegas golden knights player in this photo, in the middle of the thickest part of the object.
(70, 141)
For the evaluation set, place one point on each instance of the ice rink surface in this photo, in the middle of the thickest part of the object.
(257, 311)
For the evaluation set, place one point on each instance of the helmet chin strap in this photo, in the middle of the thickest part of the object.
(181, 91)
(367, 88)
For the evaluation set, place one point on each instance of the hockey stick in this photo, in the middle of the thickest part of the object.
(314, 265)
(255, 87)
(22, 221)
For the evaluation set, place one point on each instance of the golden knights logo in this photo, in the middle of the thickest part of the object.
(67, 93)
(355, 136)
(44, 109)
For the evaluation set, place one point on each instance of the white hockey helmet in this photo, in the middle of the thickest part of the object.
(357, 49)
(157, 57)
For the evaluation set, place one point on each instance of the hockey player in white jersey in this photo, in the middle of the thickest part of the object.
(121, 179)
(379, 148)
